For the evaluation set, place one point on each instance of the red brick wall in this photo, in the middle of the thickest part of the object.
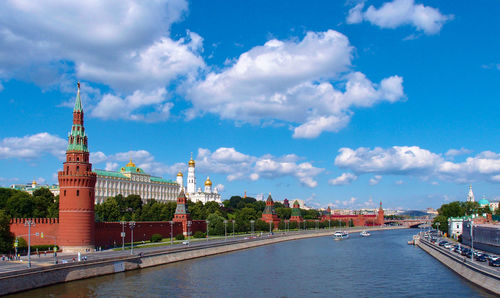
(109, 233)
(106, 233)
(47, 226)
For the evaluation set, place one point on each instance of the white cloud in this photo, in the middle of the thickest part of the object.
(33, 146)
(456, 152)
(237, 166)
(345, 178)
(375, 180)
(220, 187)
(400, 182)
(292, 82)
(121, 44)
(395, 160)
(114, 107)
(398, 13)
(415, 161)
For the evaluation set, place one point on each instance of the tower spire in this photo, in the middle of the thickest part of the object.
(78, 101)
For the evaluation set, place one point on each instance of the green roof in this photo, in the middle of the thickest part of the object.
(132, 170)
(158, 179)
(110, 173)
(78, 102)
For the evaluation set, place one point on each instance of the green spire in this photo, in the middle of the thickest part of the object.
(78, 102)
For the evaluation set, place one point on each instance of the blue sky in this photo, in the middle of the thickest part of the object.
(337, 103)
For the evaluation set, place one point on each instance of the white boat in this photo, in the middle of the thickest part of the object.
(339, 235)
(364, 234)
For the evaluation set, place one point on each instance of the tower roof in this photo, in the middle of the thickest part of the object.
(191, 162)
(78, 101)
(208, 182)
(179, 174)
(130, 164)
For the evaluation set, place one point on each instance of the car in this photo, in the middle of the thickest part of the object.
(185, 242)
(494, 258)
(494, 263)
(481, 258)
(447, 245)
(442, 243)
(464, 251)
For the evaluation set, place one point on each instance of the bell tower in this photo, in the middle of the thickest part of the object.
(77, 189)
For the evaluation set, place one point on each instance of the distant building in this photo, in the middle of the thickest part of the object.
(470, 196)
(286, 203)
(131, 180)
(208, 194)
(483, 202)
(494, 205)
(455, 226)
(30, 188)
(486, 236)
(431, 211)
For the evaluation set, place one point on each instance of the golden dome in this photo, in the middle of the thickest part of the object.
(130, 164)
(208, 182)
(34, 182)
(191, 162)
(179, 174)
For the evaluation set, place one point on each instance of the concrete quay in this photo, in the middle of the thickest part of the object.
(482, 276)
(27, 279)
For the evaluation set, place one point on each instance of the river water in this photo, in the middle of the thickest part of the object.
(382, 265)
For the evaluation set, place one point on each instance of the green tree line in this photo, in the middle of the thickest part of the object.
(458, 209)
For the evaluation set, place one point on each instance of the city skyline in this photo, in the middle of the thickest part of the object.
(332, 103)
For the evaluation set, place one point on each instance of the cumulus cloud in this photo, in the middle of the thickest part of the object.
(375, 180)
(33, 146)
(456, 152)
(398, 13)
(237, 166)
(121, 44)
(292, 82)
(345, 178)
(419, 162)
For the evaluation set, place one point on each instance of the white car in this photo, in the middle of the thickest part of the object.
(447, 245)
(185, 242)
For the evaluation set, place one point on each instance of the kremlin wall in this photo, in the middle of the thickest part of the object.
(76, 229)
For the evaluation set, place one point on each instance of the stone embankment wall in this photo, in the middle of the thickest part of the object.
(483, 277)
(38, 277)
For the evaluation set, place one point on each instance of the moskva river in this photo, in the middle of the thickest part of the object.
(382, 265)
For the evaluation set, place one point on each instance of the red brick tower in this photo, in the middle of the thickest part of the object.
(296, 216)
(182, 213)
(380, 215)
(269, 214)
(77, 188)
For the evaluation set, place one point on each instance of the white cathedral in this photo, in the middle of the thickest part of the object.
(208, 194)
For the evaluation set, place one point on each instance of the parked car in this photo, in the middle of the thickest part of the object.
(481, 258)
(442, 243)
(447, 245)
(185, 242)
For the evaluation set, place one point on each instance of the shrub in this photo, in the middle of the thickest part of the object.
(179, 237)
(199, 234)
(156, 238)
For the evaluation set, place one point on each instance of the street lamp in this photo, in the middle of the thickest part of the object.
(317, 224)
(189, 228)
(132, 226)
(471, 240)
(123, 223)
(251, 224)
(437, 227)
(171, 232)
(233, 228)
(329, 224)
(207, 221)
(225, 230)
(28, 224)
(270, 228)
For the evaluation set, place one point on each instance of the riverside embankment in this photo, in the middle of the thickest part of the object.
(27, 279)
(487, 278)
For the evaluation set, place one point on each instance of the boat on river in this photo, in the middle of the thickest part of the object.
(340, 235)
(364, 234)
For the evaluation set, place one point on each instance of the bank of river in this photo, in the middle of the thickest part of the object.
(380, 265)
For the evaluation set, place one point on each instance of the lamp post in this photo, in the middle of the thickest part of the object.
(132, 226)
(437, 227)
(304, 224)
(189, 228)
(270, 227)
(123, 234)
(171, 232)
(207, 221)
(225, 230)
(286, 224)
(472, 240)
(29, 223)
(329, 224)
(251, 224)
(317, 224)
(233, 228)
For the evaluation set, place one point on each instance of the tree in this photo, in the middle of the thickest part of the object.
(443, 223)
(216, 225)
(108, 211)
(6, 237)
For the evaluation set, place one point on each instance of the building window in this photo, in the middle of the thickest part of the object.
(78, 159)
(64, 192)
(77, 168)
(77, 192)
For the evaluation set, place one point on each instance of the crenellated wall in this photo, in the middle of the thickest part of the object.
(48, 226)
(107, 234)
